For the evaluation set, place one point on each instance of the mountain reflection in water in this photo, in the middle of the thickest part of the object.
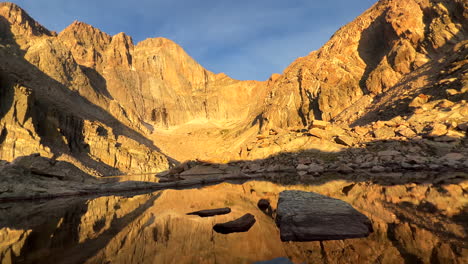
(412, 224)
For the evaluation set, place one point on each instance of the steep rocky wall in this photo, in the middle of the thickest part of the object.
(30, 126)
(368, 56)
(50, 106)
(16, 127)
(156, 79)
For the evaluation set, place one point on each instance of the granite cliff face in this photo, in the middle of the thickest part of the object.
(156, 80)
(364, 59)
(50, 106)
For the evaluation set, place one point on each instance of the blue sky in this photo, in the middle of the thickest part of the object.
(246, 39)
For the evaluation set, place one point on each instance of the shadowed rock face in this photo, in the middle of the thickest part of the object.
(50, 106)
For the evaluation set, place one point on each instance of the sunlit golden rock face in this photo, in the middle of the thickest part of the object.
(411, 223)
(368, 56)
(156, 79)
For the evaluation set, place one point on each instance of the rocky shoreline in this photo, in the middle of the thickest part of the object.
(234, 173)
(429, 147)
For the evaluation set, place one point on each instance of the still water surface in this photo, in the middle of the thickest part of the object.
(412, 224)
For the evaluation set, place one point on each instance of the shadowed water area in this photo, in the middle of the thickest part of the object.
(413, 223)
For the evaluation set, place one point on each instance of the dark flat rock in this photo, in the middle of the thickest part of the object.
(242, 224)
(211, 212)
(308, 216)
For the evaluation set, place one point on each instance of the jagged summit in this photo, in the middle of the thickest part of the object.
(15, 21)
(78, 27)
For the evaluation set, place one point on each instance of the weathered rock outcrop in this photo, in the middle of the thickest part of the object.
(307, 216)
(50, 106)
(365, 58)
(172, 88)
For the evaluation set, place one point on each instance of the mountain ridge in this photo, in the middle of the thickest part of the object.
(154, 88)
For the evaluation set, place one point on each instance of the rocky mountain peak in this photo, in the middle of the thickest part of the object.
(122, 38)
(365, 58)
(14, 21)
(85, 35)
(86, 42)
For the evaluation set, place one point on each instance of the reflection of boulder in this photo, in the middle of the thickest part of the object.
(308, 216)
(263, 204)
(242, 224)
(211, 212)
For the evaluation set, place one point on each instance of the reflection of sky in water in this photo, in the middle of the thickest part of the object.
(154, 228)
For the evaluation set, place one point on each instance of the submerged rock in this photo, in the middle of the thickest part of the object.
(263, 204)
(242, 224)
(308, 216)
(282, 260)
(211, 212)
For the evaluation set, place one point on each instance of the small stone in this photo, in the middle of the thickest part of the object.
(416, 159)
(406, 165)
(454, 157)
(405, 132)
(445, 104)
(361, 130)
(343, 168)
(320, 124)
(315, 168)
(377, 169)
(366, 165)
(451, 92)
(302, 167)
(437, 130)
(345, 140)
(420, 100)
(389, 153)
(463, 126)
(384, 132)
(304, 160)
(319, 133)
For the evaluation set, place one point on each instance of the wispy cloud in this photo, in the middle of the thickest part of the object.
(245, 39)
